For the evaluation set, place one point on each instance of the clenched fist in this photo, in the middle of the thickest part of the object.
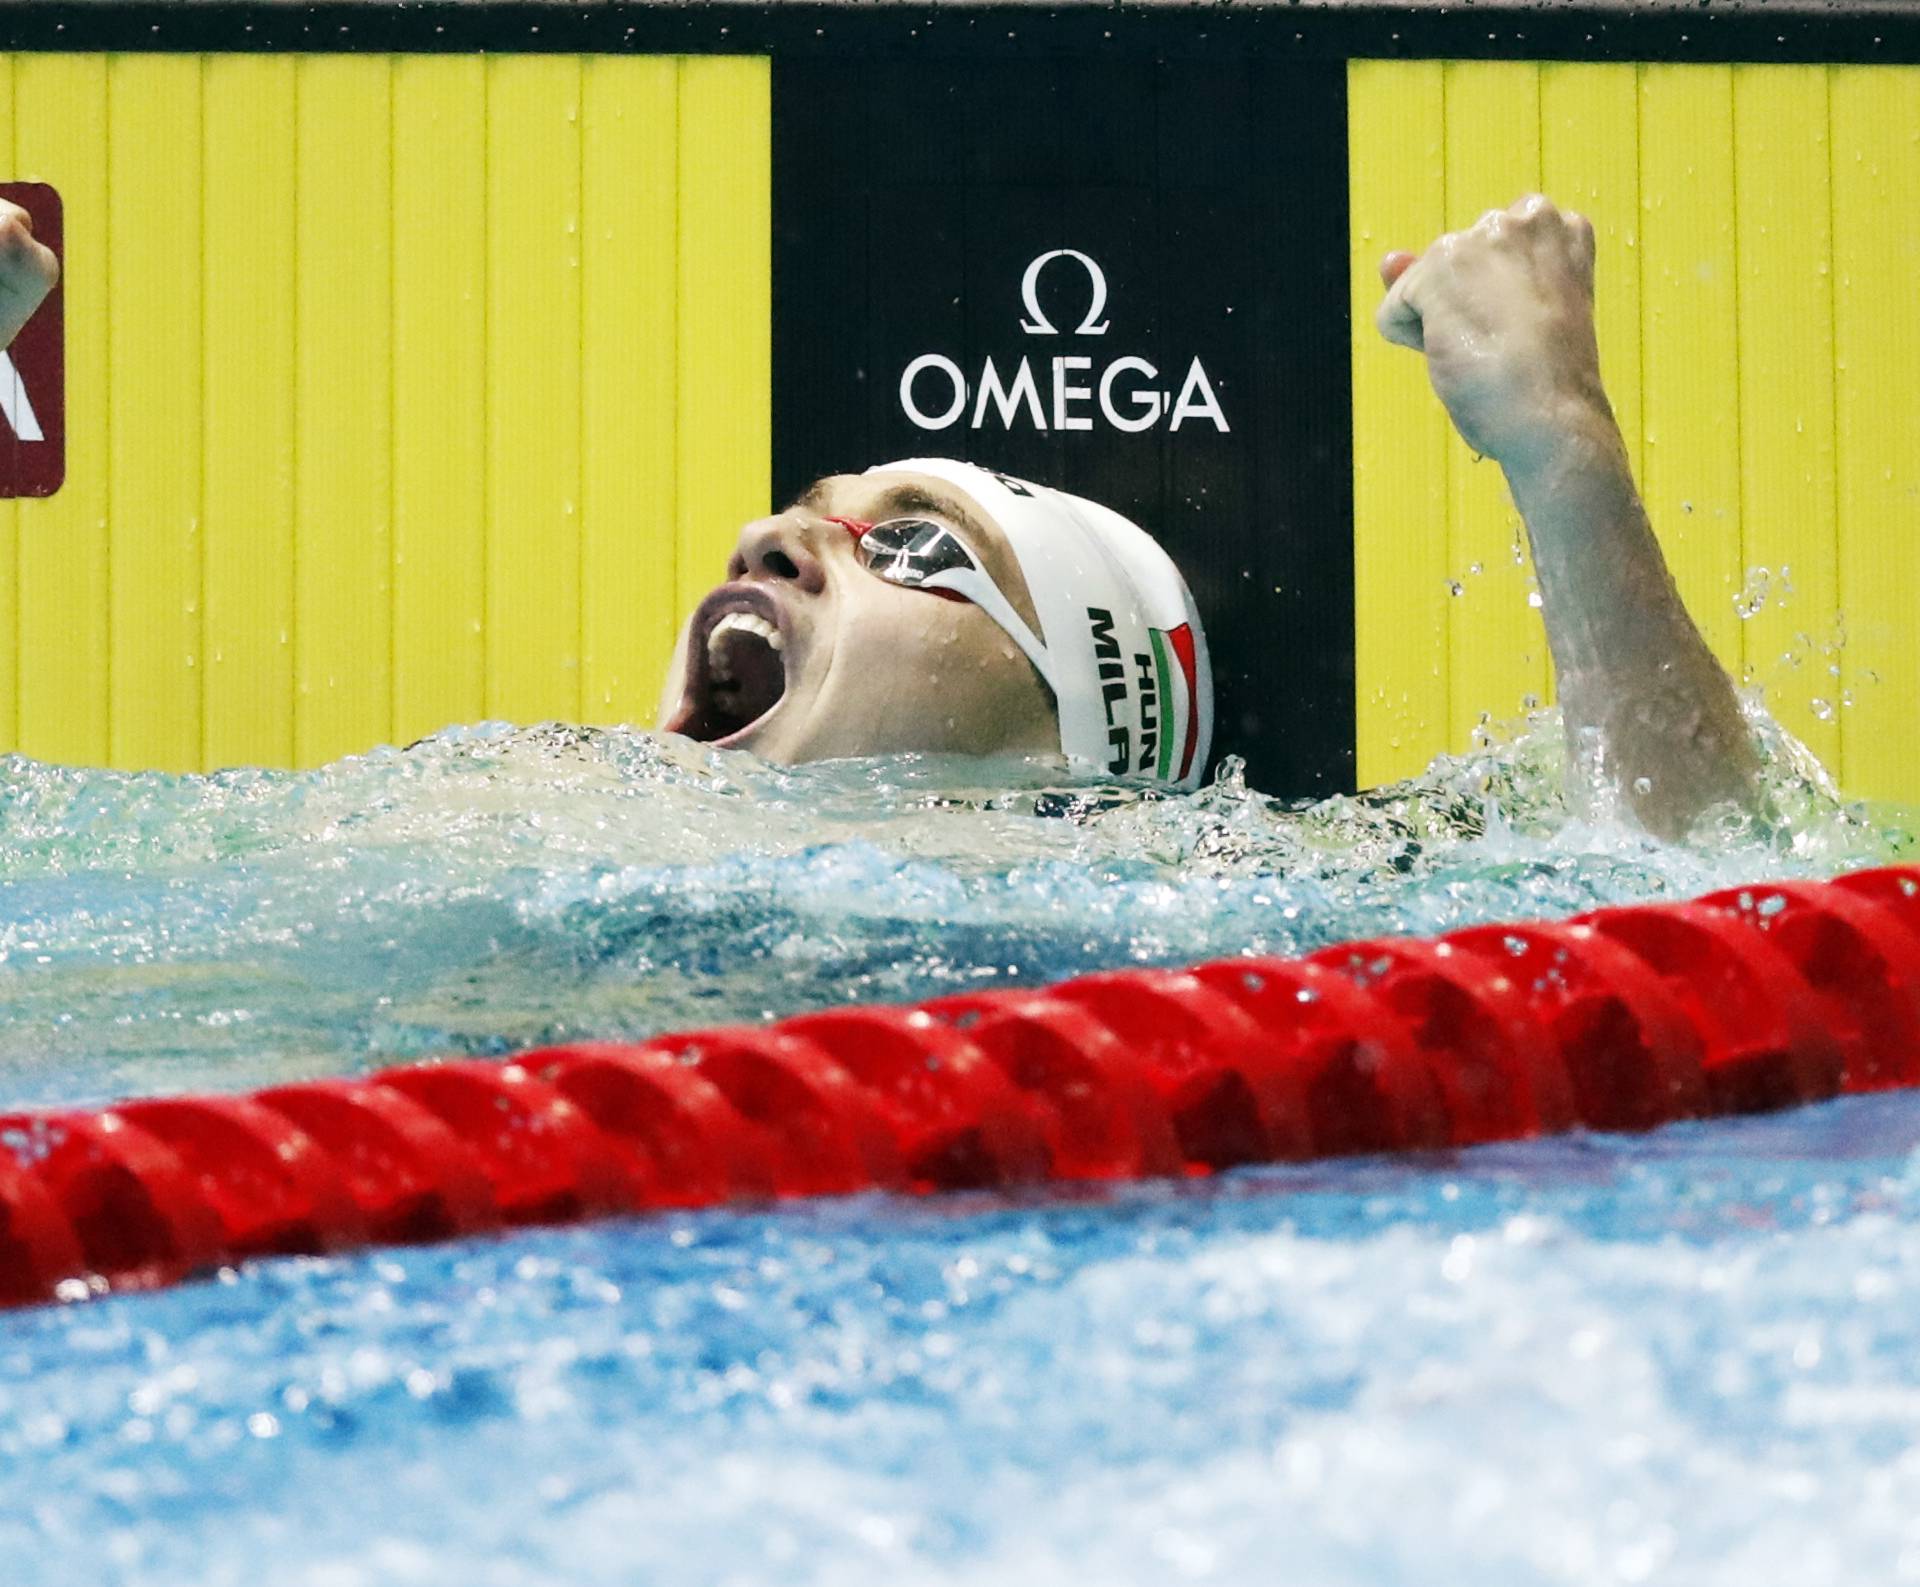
(1504, 313)
(28, 271)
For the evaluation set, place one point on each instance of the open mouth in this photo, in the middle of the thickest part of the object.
(736, 665)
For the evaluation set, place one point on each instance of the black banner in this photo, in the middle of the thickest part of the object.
(1655, 30)
(1125, 277)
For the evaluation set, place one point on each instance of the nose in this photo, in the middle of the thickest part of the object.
(779, 549)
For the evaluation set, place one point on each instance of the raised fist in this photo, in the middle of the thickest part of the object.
(28, 271)
(1504, 313)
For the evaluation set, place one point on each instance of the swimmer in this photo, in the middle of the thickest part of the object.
(929, 605)
(937, 606)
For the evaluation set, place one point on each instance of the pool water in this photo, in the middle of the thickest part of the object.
(1684, 1356)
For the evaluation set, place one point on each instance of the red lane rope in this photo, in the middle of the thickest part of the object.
(1749, 999)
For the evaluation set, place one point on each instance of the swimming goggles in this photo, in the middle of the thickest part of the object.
(919, 554)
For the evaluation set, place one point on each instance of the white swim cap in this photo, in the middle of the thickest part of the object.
(1124, 651)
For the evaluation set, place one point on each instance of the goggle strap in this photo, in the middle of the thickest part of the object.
(977, 587)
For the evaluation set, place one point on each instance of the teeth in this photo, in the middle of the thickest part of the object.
(746, 622)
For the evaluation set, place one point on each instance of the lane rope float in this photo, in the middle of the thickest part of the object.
(1749, 999)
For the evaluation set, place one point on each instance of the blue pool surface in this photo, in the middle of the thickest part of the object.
(1691, 1356)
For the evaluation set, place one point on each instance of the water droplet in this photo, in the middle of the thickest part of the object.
(1752, 595)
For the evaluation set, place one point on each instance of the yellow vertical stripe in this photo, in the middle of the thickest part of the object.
(1396, 138)
(153, 241)
(1876, 222)
(1590, 162)
(1788, 545)
(61, 119)
(1496, 645)
(248, 439)
(533, 383)
(725, 444)
(343, 488)
(629, 222)
(439, 392)
(1689, 342)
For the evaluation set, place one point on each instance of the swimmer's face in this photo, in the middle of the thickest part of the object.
(803, 654)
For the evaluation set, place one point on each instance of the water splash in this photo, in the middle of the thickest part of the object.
(1751, 598)
(492, 888)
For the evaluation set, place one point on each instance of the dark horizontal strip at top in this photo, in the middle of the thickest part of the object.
(1872, 31)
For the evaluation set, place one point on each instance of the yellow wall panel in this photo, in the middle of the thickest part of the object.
(725, 439)
(1876, 233)
(1789, 546)
(248, 438)
(61, 137)
(630, 223)
(439, 392)
(533, 379)
(343, 491)
(1590, 162)
(1397, 193)
(154, 413)
(1689, 348)
(401, 391)
(1495, 641)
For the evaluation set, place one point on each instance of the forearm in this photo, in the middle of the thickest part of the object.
(1647, 708)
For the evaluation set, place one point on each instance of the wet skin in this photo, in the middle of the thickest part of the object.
(805, 655)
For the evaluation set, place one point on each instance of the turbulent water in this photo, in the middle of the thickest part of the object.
(1686, 1357)
(491, 889)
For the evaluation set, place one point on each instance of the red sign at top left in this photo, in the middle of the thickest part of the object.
(33, 371)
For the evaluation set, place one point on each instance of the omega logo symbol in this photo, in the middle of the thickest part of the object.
(936, 394)
(1036, 323)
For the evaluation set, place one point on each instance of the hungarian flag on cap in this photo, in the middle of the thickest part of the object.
(1175, 667)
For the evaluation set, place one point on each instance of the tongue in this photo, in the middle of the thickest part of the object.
(746, 681)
